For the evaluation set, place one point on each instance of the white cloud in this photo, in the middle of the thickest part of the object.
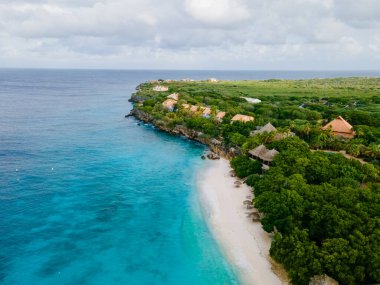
(351, 46)
(218, 12)
(360, 14)
(190, 33)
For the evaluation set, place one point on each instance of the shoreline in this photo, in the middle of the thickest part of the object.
(245, 244)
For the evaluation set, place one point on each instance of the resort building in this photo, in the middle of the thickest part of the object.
(173, 96)
(206, 112)
(252, 100)
(268, 128)
(263, 154)
(213, 80)
(242, 118)
(193, 108)
(220, 115)
(340, 128)
(169, 104)
(160, 88)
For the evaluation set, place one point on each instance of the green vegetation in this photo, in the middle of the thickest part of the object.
(244, 166)
(326, 211)
(323, 208)
(300, 106)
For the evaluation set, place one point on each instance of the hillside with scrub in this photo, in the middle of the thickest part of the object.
(316, 185)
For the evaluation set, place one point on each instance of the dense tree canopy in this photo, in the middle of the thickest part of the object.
(327, 219)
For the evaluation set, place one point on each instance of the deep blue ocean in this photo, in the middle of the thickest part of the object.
(89, 197)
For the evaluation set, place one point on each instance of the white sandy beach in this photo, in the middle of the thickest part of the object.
(244, 242)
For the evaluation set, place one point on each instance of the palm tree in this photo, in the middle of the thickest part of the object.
(267, 137)
(322, 140)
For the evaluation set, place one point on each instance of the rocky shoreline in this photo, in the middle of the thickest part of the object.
(213, 144)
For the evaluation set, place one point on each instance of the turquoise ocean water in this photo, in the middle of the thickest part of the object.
(89, 197)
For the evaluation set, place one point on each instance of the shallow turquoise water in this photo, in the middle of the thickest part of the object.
(89, 197)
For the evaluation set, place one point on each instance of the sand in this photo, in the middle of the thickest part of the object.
(244, 243)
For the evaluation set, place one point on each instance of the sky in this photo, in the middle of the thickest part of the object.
(191, 34)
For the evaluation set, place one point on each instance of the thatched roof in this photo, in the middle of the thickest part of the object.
(242, 118)
(339, 125)
(258, 151)
(269, 155)
(263, 153)
(267, 128)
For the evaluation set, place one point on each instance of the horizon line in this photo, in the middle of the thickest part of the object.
(217, 70)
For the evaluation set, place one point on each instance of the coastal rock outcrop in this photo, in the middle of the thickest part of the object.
(216, 147)
(137, 98)
(213, 156)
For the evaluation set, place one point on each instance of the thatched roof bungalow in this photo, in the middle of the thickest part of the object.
(242, 118)
(268, 128)
(269, 155)
(340, 128)
(263, 154)
(258, 151)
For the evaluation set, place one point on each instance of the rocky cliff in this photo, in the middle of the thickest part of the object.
(180, 130)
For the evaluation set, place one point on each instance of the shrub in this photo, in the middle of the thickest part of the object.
(245, 166)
